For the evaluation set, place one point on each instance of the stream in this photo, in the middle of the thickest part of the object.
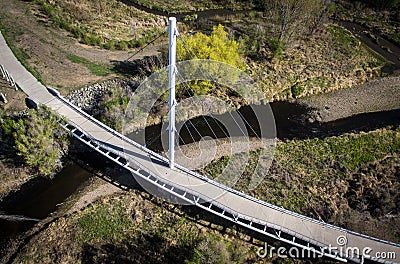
(37, 199)
(291, 120)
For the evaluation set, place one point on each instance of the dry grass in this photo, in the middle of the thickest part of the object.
(98, 22)
(133, 227)
(333, 59)
(322, 177)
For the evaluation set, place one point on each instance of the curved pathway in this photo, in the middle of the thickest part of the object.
(181, 184)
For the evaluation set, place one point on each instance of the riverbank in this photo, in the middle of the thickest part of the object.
(349, 180)
(378, 95)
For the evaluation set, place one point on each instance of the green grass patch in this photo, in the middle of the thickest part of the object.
(104, 222)
(346, 42)
(351, 151)
(96, 69)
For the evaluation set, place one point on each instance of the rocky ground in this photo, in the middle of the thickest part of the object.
(89, 98)
(382, 94)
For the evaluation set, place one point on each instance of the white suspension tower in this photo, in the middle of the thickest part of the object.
(173, 33)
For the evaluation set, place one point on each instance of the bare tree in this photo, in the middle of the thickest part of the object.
(291, 19)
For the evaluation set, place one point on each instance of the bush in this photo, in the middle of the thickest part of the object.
(276, 46)
(123, 45)
(211, 249)
(217, 46)
(38, 139)
(113, 108)
(297, 90)
(110, 45)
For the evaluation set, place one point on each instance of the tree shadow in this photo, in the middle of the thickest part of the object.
(145, 248)
(144, 67)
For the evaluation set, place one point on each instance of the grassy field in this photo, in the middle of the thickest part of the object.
(136, 228)
(330, 60)
(96, 69)
(49, 38)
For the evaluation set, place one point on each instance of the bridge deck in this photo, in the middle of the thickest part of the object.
(238, 205)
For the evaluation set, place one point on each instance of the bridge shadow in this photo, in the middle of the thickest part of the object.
(134, 154)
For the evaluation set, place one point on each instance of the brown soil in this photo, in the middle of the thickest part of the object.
(14, 97)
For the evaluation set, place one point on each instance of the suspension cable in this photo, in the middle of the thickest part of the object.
(145, 46)
(186, 87)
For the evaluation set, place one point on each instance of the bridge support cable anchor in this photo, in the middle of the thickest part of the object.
(173, 33)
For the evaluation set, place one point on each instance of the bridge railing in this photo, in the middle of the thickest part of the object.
(199, 199)
(221, 186)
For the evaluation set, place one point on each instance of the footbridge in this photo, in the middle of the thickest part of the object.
(304, 233)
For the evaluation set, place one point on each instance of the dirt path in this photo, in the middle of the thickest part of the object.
(378, 44)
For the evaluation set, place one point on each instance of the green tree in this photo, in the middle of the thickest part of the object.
(38, 139)
(217, 46)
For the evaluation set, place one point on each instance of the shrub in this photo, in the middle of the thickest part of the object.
(217, 46)
(38, 139)
(297, 90)
(276, 46)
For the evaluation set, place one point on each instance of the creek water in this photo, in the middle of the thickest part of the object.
(291, 121)
(36, 199)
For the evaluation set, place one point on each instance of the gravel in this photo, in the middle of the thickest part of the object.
(375, 96)
(89, 97)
